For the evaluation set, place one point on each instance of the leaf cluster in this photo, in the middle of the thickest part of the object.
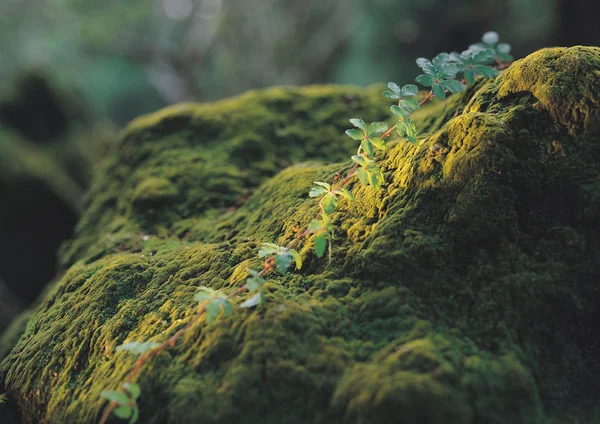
(126, 400)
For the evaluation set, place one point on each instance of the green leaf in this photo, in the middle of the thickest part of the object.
(503, 48)
(255, 300)
(413, 139)
(137, 347)
(227, 309)
(438, 90)
(377, 142)
(326, 186)
(363, 176)
(133, 389)
(390, 95)
(355, 134)
(449, 70)
(283, 261)
(421, 62)
(453, 86)
(115, 396)
(268, 249)
(376, 128)
(254, 281)
(359, 123)
(361, 160)
(123, 412)
(426, 80)
(212, 310)
(135, 415)
(297, 258)
(202, 296)
(394, 87)
(329, 203)
(441, 59)
(410, 90)
(320, 244)
(346, 194)
(469, 76)
(490, 38)
(367, 147)
(410, 104)
(319, 190)
(401, 128)
(399, 111)
(316, 225)
(486, 71)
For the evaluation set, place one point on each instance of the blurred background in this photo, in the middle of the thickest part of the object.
(73, 72)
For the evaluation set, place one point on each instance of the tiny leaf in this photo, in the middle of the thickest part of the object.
(133, 389)
(137, 347)
(346, 194)
(283, 261)
(316, 225)
(490, 38)
(212, 310)
(426, 80)
(255, 300)
(355, 134)
(367, 147)
(320, 244)
(115, 396)
(410, 90)
(329, 203)
(359, 123)
(123, 412)
(377, 142)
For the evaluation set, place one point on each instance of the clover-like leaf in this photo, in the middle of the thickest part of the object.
(123, 412)
(399, 111)
(361, 160)
(490, 38)
(316, 225)
(410, 90)
(297, 258)
(438, 91)
(355, 134)
(137, 347)
(453, 86)
(319, 189)
(116, 396)
(254, 300)
(367, 147)
(377, 128)
(378, 142)
(426, 80)
(320, 244)
(134, 390)
(329, 203)
(212, 310)
(346, 194)
(135, 415)
(255, 281)
(359, 123)
(268, 249)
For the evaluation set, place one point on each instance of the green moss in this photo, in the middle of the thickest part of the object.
(465, 291)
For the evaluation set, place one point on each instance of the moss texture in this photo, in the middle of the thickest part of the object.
(465, 291)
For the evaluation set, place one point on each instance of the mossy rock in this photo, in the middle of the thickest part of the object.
(465, 291)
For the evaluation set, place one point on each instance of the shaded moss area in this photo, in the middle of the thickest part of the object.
(465, 291)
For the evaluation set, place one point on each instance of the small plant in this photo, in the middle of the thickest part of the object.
(445, 74)
(125, 401)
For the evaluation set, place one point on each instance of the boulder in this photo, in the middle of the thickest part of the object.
(465, 291)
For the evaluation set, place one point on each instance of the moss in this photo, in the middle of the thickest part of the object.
(465, 291)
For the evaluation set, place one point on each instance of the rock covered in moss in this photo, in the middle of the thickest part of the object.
(465, 291)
